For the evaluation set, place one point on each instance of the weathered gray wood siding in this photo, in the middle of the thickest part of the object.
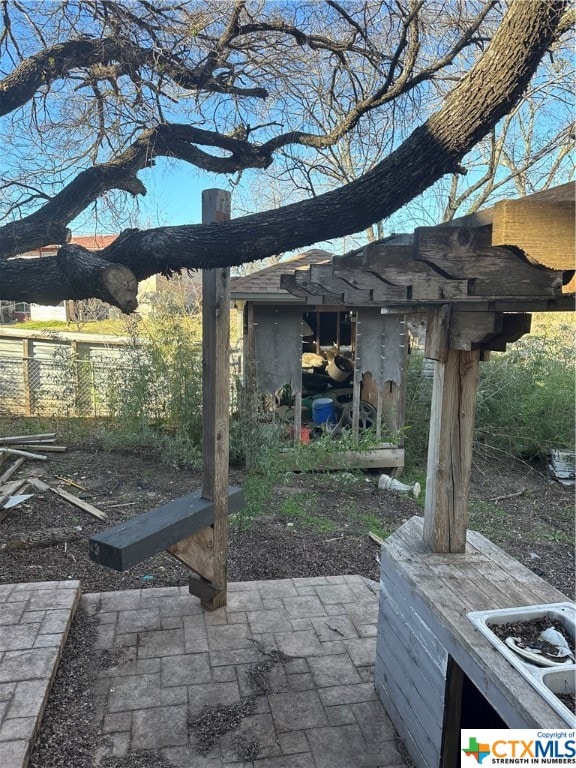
(410, 673)
(424, 599)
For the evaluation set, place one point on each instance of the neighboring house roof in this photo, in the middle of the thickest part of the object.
(93, 242)
(264, 285)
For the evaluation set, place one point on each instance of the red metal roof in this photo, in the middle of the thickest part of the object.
(93, 242)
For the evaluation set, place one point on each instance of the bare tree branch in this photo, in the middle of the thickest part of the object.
(487, 93)
(58, 61)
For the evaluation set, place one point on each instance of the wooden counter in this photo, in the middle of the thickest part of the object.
(426, 646)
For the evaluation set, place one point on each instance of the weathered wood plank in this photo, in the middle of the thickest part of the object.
(491, 304)
(397, 630)
(388, 700)
(11, 469)
(506, 568)
(473, 330)
(26, 454)
(141, 537)
(438, 333)
(561, 193)
(397, 610)
(367, 289)
(377, 458)
(5, 495)
(426, 704)
(333, 288)
(45, 448)
(323, 276)
(216, 397)
(544, 231)
(397, 267)
(452, 416)
(443, 606)
(497, 272)
(405, 717)
(40, 438)
(513, 327)
(69, 497)
(310, 293)
(195, 551)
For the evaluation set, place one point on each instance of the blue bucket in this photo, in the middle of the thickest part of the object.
(322, 410)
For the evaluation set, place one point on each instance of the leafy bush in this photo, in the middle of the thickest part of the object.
(156, 398)
(525, 403)
(418, 397)
(526, 395)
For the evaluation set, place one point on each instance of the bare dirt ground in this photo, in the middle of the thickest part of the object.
(317, 524)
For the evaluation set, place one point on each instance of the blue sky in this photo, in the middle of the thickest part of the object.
(174, 188)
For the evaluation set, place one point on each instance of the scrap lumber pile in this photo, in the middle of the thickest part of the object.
(22, 448)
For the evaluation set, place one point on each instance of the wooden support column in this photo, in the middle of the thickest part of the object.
(394, 395)
(450, 440)
(209, 550)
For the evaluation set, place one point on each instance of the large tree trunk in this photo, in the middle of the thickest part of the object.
(435, 148)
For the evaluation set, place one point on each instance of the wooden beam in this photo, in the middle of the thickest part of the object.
(513, 327)
(563, 193)
(132, 541)
(450, 451)
(438, 333)
(216, 397)
(11, 469)
(544, 231)
(207, 591)
(396, 266)
(469, 330)
(482, 304)
(49, 437)
(27, 359)
(196, 551)
(250, 406)
(289, 283)
(496, 272)
(387, 456)
(69, 497)
(366, 290)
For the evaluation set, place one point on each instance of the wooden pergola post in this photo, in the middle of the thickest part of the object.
(451, 435)
(216, 395)
(206, 552)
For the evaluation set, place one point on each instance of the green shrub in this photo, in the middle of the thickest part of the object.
(418, 398)
(526, 397)
(525, 402)
(156, 397)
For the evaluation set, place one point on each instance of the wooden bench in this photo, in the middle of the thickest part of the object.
(143, 536)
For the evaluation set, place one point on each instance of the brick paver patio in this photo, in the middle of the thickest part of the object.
(290, 660)
(34, 623)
